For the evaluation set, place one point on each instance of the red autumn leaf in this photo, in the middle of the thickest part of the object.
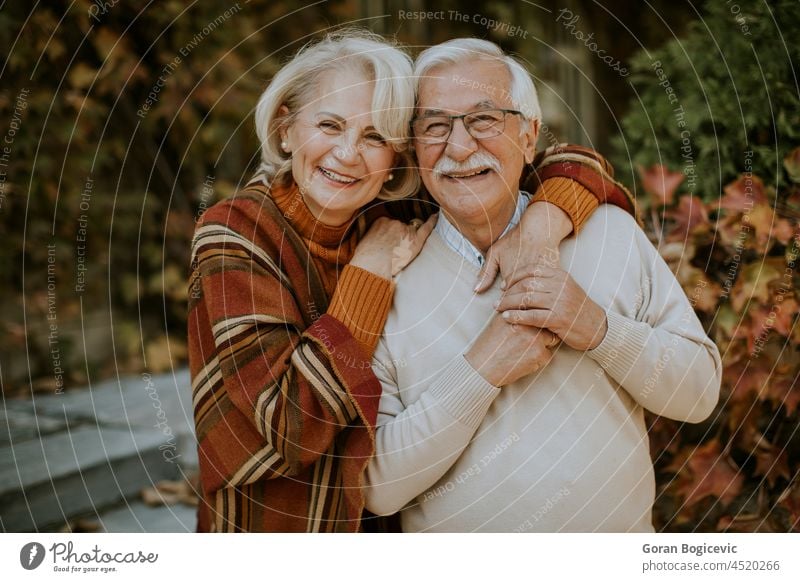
(762, 220)
(792, 164)
(712, 475)
(660, 183)
(784, 320)
(767, 226)
(777, 318)
(727, 323)
(678, 462)
(772, 464)
(792, 199)
(745, 193)
(752, 282)
(786, 391)
(689, 216)
(783, 231)
(743, 418)
(731, 231)
(744, 378)
(762, 326)
(703, 293)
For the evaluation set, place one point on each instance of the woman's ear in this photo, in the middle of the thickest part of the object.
(283, 126)
(390, 175)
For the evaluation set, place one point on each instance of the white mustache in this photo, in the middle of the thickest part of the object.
(477, 161)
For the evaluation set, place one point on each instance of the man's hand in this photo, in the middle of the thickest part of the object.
(503, 352)
(548, 297)
(535, 240)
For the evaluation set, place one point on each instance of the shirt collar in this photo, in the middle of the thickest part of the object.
(459, 243)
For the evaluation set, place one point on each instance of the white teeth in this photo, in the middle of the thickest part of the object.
(337, 177)
(475, 173)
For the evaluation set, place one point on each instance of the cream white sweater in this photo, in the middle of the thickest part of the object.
(565, 449)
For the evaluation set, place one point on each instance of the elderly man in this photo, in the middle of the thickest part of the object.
(477, 430)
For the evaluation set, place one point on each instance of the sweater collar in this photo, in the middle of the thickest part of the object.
(294, 209)
(453, 238)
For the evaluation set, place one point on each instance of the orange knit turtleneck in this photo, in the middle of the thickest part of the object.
(359, 299)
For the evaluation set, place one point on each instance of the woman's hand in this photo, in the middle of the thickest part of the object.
(535, 240)
(390, 245)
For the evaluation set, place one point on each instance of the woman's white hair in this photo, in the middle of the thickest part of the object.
(522, 91)
(294, 86)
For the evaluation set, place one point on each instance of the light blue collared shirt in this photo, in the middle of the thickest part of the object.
(459, 243)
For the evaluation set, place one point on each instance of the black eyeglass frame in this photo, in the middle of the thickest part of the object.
(453, 118)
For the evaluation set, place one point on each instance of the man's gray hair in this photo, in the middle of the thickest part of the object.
(522, 91)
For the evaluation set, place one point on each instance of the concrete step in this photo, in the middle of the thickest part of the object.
(70, 454)
(46, 481)
(20, 422)
(138, 517)
(131, 400)
(159, 404)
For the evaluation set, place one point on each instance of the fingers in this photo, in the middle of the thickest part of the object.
(530, 317)
(420, 232)
(536, 270)
(531, 293)
(526, 300)
(550, 339)
(392, 230)
(412, 239)
(426, 228)
(385, 224)
(540, 356)
(387, 231)
(489, 271)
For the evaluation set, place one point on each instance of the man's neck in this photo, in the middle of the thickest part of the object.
(482, 235)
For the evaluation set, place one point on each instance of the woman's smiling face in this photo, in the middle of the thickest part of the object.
(339, 160)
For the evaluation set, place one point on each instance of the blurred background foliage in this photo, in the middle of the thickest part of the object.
(127, 119)
(714, 134)
(734, 86)
(143, 112)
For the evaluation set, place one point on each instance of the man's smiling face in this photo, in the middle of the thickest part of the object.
(473, 179)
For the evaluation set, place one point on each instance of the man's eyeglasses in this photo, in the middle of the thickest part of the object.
(436, 129)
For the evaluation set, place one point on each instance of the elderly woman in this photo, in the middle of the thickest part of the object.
(290, 289)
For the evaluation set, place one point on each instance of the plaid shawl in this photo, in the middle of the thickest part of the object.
(284, 399)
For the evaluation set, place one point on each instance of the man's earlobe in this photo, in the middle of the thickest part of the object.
(530, 141)
(529, 155)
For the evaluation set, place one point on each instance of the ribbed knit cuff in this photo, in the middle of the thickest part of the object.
(361, 302)
(571, 197)
(463, 392)
(624, 342)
